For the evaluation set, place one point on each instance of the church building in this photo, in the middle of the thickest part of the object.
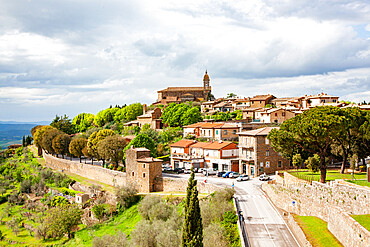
(183, 94)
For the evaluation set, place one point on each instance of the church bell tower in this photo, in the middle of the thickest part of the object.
(206, 87)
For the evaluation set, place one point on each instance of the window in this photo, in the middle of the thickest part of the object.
(267, 141)
(334, 100)
(225, 132)
(143, 165)
(209, 133)
(133, 174)
(267, 164)
(143, 174)
(216, 132)
(322, 101)
(279, 164)
(234, 132)
(275, 114)
(267, 153)
(283, 114)
(261, 164)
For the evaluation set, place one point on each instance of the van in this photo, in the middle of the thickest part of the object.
(210, 171)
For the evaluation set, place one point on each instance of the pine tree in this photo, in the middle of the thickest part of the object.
(192, 235)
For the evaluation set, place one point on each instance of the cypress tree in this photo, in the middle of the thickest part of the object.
(192, 235)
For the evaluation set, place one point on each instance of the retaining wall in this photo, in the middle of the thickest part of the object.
(98, 173)
(332, 202)
(298, 233)
(178, 184)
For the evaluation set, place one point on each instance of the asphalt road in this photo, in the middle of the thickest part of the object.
(264, 224)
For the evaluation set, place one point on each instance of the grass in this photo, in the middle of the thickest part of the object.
(124, 222)
(330, 175)
(364, 220)
(360, 182)
(316, 231)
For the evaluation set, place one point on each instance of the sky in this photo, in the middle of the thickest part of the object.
(68, 57)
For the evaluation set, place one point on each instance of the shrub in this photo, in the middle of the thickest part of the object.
(117, 240)
(99, 211)
(146, 204)
(58, 201)
(25, 186)
(214, 236)
(15, 198)
(231, 229)
(67, 191)
(126, 195)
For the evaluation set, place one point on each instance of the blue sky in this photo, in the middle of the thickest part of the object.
(68, 57)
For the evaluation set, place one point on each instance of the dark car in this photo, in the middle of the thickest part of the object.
(219, 174)
(178, 170)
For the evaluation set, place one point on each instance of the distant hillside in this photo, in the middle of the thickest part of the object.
(13, 133)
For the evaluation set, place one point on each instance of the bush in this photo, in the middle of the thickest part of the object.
(231, 230)
(214, 236)
(58, 201)
(146, 204)
(99, 211)
(70, 192)
(126, 196)
(25, 186)
(117, 240)
(15, 198)
(120, 168)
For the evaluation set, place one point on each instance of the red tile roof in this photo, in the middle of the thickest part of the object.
(258, 132)
(184, 143)
(220, 145)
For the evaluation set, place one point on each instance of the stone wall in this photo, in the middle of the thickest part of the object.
(298, 233)
(332, 202)
(98, 173)
(290, 179)
(348, 231)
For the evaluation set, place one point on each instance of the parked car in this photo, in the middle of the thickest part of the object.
(187, 171)
(231, 175)
(200, 170)
(166, 169)
(210, 171)
(242, 178)
(178, 170)
(264, 177)
(219, 174)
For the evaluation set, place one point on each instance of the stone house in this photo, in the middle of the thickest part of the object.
(256, 156)
(261, 100)
(241, 104)
(143, 171)
(249, 113)
(221, 155)
(322, 99)
(153, 118)
(273, 115)
(180, 155)
(183, 94)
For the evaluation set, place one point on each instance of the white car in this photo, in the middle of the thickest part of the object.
(264, 177)
(242, 178)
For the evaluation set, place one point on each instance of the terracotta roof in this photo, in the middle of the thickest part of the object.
(219, 145)
(184, 143)
(321, 95)
(258, 132)
(252, 109)
(148, 114)
(262, 97)
(212, 125)
(148, 159)
(200, 145)
(283, 99)
(194, 125)
(174, 89)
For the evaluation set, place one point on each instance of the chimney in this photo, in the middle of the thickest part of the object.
(144, 108)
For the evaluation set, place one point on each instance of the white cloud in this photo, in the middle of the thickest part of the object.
(86, 56)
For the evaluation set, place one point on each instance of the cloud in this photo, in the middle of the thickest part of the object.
(84, 56)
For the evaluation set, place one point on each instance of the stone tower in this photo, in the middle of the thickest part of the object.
(207, 88)
(143, 171)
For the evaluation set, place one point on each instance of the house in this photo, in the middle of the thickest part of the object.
(143, 171)
(214, 130)
(249, 113)
(256, 156)
(223, 106)
(183, 94)
(220, 155)
(261, 100)
(207, 106)
(153, 118)
(241, 104)
(318, 100)
(273, 115)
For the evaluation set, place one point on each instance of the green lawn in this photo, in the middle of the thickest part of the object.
(330, 175)
(364, 220)
(360, 182)
(124, 222)
(316, 231)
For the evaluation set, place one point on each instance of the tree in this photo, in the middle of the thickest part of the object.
(313, 131)
(39, 135)
(142, 141)
(133, 110)
(191, 116)
(192, 234)
(126, 195)
(349, 136)
(231, 95)
(99, 211)
(60, 144)
(47, 140)
(94, 139)
(313, 163)
(111, 148)
(63, 124)
(105, 116)
(83, 121)
(62, 220)
(180, 114)
(76, 147)
(34, 129)
(297, 161)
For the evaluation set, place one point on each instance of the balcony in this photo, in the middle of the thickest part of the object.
(246, 158)
(187, 156)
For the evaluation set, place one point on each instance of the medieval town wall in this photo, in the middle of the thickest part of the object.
(98, 173)
(332, 202)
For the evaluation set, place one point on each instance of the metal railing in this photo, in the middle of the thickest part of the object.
(245, 240)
